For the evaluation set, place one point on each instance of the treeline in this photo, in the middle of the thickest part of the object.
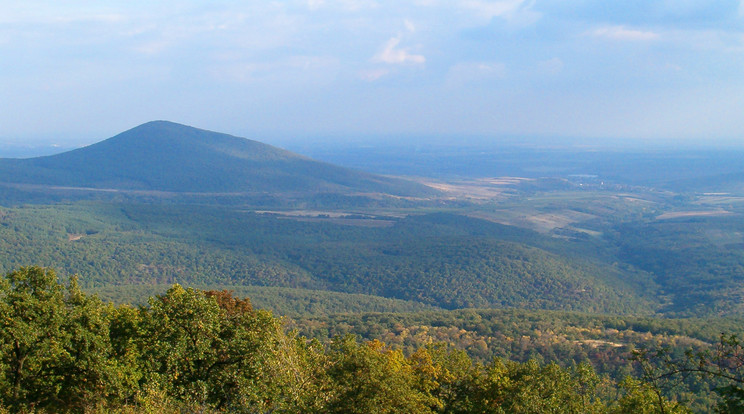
(519, 334)
(282, 301)
(207, 351)
(607, 342)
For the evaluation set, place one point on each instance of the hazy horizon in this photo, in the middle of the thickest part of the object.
(343, 149)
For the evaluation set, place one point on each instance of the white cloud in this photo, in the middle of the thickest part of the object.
(514, 12)
(409, 26)
(111, 18)
(346, 5)
(391, 54)
(372, 75)
(621, 33)
(27, 12)
(491, 9)
(152, 48)
(315, 4)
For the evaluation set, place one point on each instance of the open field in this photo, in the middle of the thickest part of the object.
(681, 214)
(477, 189)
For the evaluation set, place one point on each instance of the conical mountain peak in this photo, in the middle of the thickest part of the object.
(167, 156)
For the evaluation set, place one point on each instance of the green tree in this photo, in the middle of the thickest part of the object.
(449, 375)
(54, 344)
(513, 387)
(722, 364)
(639, 397)
(372, 378)
(212, 349)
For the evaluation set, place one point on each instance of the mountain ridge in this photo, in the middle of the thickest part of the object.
(166, 156)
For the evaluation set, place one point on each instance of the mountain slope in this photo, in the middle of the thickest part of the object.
(165, 156)
(438, 260)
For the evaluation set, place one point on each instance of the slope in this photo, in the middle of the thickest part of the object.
(165, 156)
(437, 260)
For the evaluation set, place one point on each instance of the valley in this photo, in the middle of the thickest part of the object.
(574, 241)
(568, 267)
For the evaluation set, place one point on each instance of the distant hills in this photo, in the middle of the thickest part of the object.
(165, 156)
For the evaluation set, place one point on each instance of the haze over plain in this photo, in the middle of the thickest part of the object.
(81, 71)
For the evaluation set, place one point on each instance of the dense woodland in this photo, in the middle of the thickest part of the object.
(679, 267)
(442, 260)
(188, 350)
(698, 262)
(375, 292)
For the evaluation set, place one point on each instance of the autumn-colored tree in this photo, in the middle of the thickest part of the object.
(640, 397)
(372, 378)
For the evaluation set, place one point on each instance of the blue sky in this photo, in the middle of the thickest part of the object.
(75, 72)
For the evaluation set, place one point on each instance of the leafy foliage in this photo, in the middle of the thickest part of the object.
(280, 300)
(195, 351)
(55, 344)
(722, 365)
(698, 262)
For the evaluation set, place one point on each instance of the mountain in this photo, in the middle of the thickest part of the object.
(166, 156)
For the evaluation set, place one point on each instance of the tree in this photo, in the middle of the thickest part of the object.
(639, 397)
(54, 344)
(449, 375)
(723, 364)
(530, 387)
(214, 350)
(372, 378)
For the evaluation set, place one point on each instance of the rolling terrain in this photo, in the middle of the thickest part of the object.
(559, 264)
(440, 260)
(179, 204)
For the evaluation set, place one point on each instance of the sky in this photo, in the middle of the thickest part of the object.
(76, 72)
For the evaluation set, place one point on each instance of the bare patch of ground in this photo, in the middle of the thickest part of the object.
(335, 217)
(596, 343)
(547, 222)
(540, 222)
(718, 199)
(680, 214)
(306, 213)
(477, 189)
(343, 221)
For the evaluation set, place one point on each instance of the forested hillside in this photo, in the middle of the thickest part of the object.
(440, 260)
(510, 294)
(194, 351)
(698, 261)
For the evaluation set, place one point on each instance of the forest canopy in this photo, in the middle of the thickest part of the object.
(62, 350)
